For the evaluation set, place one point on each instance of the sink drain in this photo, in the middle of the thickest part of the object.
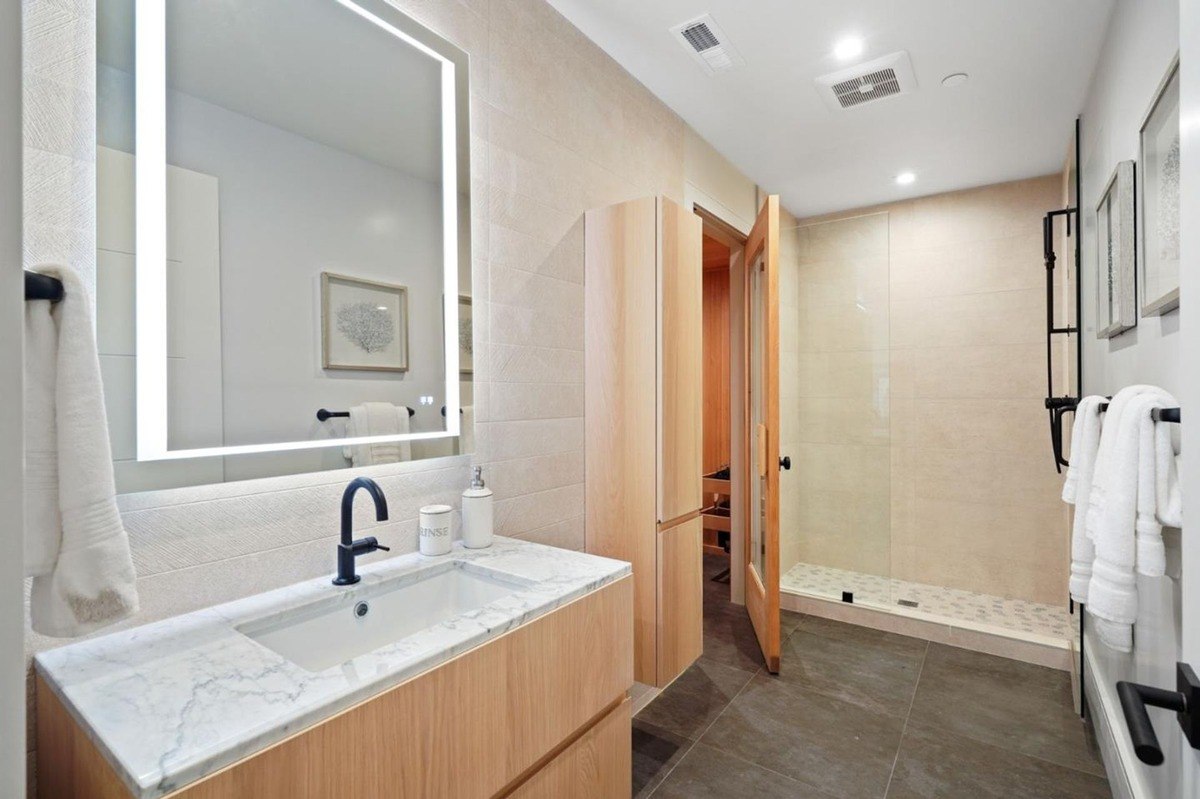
(361, 609)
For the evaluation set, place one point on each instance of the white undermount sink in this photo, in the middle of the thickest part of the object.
(321, 635)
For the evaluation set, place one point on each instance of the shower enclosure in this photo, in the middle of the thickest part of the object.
(911, 399)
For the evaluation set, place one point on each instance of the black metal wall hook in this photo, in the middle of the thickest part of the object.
(324, 415)
(43, 287)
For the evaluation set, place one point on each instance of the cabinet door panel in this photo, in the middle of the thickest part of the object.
(680, 598)
(680, 361)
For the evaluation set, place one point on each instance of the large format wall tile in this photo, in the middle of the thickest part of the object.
(920, 330)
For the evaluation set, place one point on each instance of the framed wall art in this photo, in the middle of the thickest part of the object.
(1158, 199)
(364, 324)
(1116, 251)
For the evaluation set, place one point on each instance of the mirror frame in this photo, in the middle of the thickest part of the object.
(150, 181)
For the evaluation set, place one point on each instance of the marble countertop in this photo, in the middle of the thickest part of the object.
(174, 701)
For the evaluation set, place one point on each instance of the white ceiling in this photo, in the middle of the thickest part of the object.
(1029, 61)
(310, 67)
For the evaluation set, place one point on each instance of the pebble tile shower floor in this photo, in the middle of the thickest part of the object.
(950, 604)
(858, 713)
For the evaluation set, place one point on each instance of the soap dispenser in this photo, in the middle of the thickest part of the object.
(477, 512)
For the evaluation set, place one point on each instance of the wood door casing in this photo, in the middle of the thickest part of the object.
(681, 361)
(762, 441)
(620, 310)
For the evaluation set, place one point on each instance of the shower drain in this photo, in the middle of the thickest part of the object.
(908, 603)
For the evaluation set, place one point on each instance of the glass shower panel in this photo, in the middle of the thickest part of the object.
(836, 393)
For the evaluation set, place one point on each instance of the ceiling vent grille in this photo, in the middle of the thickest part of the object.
(874, 86)
(707, 43)
(888, 76)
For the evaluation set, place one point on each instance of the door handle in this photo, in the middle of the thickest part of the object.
(785, 463)
(1185, 701)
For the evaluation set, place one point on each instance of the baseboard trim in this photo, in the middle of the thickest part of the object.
(642, 695)
(1120, 762)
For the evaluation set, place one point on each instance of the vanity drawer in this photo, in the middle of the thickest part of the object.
(598, 765)
(471, 727)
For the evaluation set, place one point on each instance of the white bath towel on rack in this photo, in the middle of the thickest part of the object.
(1120, 527)
(1167, 468)
(1077, 489)
(76, 548)
(1156, 477)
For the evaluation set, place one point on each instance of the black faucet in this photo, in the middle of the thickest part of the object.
(349, 549)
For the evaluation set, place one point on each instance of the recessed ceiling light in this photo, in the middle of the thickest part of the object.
(850, 47)
(905, 178)
(955, 79)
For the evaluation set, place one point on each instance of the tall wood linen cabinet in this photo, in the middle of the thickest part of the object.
(644, 425)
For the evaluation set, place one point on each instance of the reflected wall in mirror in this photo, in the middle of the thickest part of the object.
(282, 227)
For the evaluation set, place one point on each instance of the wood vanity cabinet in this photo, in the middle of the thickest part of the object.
(541, 711)
(643, 375)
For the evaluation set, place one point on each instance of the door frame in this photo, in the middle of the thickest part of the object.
(730, 235)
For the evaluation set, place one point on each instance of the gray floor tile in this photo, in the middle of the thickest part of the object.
(729, 637)
(1006, 703)
(708, 773)
(823, 742)
(655, 753)
(875, 670)
(696, 698)
(788, 622)
(933, 765)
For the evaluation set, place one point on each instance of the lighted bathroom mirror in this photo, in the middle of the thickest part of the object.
(283, 239)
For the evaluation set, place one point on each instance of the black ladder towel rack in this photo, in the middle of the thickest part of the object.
(1057, 407)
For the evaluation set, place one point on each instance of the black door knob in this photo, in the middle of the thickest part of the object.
(785, 463)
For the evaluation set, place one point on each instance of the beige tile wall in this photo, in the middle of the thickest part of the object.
(557, 128)
(962, 455)
(834, 351)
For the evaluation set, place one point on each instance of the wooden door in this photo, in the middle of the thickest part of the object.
(761, 260)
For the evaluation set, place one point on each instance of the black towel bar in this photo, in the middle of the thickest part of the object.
(324, 415)
(43, 287)
(1158, 414)
(444, 411)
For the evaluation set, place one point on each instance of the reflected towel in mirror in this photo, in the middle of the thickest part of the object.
(378, 419)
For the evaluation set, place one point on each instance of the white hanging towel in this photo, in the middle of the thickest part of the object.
(466, 434)
(1119, 527)
(1167, 468)
(1077, 489)
(1156, 478)
(378, 419)
(76, 548)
